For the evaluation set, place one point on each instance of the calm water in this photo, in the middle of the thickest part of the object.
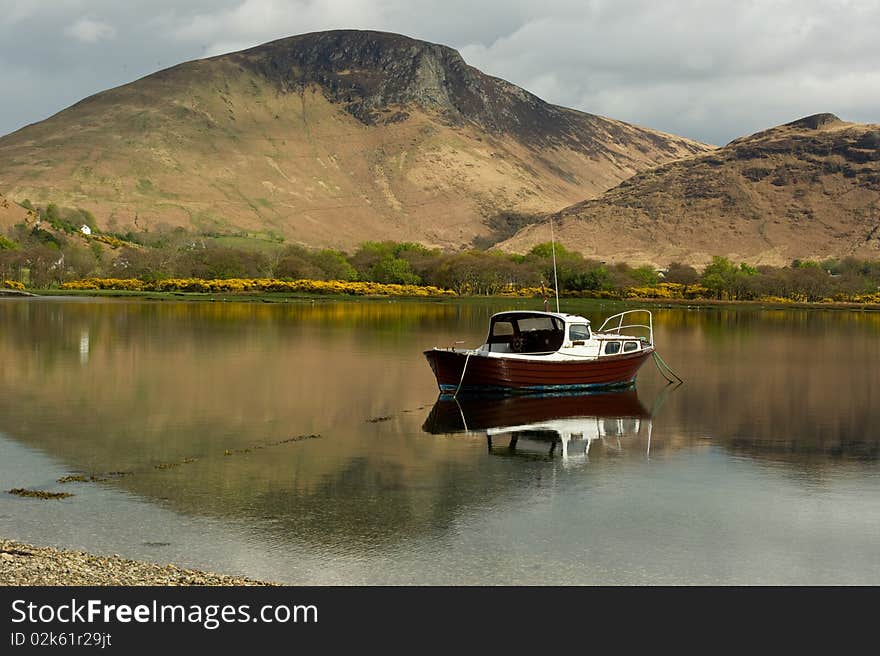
(301, 443)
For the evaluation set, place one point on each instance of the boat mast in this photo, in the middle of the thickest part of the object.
(553, 250)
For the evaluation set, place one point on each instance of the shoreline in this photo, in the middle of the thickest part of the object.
(280, 297)
(23, 564)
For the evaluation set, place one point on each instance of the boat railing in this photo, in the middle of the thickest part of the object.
(608, 326)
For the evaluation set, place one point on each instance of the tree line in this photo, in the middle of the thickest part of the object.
(46, 258)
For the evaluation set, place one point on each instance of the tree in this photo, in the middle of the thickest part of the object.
(646, 275)
(295, 263)
(79, 262)
(621, 276)
(218, 262)
(811, 283)
(386, 262)
(594, 279)
(393, 270)
(11, 261)
(719, 276)
(459, 272)
(44, 265)
(52, 214)
(333, 265)
(572, 270)
(683, 274)
(147, 264)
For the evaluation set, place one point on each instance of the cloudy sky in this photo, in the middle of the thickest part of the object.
(710, 70)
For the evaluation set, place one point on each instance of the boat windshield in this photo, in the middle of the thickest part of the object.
(579, 331)
(526, 333)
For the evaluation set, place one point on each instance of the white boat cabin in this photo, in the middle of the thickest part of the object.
(531, 333)
(568, 436)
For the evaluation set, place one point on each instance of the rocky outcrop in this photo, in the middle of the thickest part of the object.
(376, 75)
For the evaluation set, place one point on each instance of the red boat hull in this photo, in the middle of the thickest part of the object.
(472, 413)
(484, 373)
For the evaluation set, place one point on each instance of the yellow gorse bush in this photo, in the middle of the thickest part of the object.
(774, 299)
(664, 290)
(528, 292)
(12, 284)
(233, 285)
(113, 242)
(868, 298)
(670, 290)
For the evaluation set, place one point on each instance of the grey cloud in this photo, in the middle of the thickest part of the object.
(90, 31)
(710, 70)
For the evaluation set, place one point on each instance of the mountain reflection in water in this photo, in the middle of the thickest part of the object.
(315, 427)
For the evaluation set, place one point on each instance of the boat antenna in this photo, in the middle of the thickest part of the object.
(553, 250)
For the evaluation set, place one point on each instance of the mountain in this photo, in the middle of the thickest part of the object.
(809, 189)
(326, 139)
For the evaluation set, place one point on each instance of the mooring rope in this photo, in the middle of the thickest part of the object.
(461, 412)
(663, 368)
(463, 370)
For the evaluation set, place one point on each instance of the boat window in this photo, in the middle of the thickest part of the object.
(537, 323)
(540, 334)
(629, 347)
(579, 331)
(500, 328)
(612, 348)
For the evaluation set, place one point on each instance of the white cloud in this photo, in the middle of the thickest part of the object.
(258, 21)
(90, 31)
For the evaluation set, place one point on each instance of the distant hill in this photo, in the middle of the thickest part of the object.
(807, 189)
(326, 139)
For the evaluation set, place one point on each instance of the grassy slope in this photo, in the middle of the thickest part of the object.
(12, 213)
(210, 145)
(795, 191)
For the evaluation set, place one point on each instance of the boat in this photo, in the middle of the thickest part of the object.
(543, 425)
(531, 351)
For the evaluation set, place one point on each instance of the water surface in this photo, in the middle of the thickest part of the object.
(301, 443)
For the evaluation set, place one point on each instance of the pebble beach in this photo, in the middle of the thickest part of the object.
(25, 564)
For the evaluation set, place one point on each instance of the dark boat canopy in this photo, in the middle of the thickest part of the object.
(529, 332)
(516, 315)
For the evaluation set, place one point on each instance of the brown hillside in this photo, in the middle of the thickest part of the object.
(807, 189)
(326, 139)
(12, 213)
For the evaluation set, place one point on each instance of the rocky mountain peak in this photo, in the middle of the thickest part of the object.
(377, 75)
(806, 128)
(814, 122)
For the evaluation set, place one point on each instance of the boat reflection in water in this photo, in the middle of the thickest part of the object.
(548, 426)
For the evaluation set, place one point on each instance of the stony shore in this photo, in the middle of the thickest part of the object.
(25, 564)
